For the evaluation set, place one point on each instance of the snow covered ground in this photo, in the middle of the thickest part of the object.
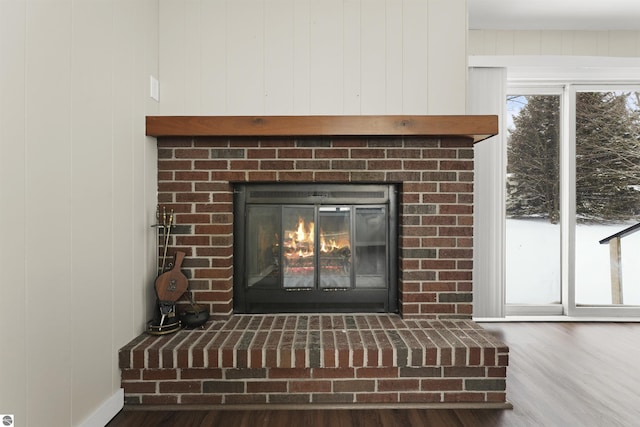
(533, 263)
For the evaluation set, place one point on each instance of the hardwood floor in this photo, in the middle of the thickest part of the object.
(560, 374)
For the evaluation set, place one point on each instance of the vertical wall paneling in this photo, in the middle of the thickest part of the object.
(145, 179)
(91, 199)
(602, 43)
(394, 53)
(279, 44)
(527, 42)
(487, 91)
(145, 294)
(245, 57)
(623, 43)
(312, 57)
(123, 169)
(556, 42)
(447, 57)
(13, 386)
(491, 42)
(77, 196)
(585, 42)
(193, 57)
(48, 216)
(213, 33)
(550, 42)
(352, 56)
(173, 55)
(566, 42)
(326, 57)
(414, 57)
(373, 49)
(476, 42)
(504, 43)
(301, 56)
(479, 41)
(122, 173)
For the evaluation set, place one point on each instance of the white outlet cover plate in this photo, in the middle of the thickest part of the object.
(154, 88)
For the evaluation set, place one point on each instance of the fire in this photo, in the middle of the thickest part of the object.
(330, 245)
(300, 242)
(299, 249)
(300, 236)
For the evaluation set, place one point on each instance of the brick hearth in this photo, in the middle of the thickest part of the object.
(317, 359)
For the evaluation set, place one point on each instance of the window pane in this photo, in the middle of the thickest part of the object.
(533, 200)
(607, 195)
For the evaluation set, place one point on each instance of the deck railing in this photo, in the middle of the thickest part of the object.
(615, 259)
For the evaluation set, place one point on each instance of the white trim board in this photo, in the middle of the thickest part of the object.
(513, 319)
(109, 409)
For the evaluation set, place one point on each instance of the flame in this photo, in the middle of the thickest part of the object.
(300, 232)
(300, 241)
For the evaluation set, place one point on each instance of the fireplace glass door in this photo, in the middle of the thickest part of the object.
(334, 247)
(314, 249)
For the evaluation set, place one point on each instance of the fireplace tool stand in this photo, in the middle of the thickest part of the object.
(170, 282)
(171, 285)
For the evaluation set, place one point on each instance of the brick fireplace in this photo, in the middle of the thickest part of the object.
(196, 176)
(430, 162)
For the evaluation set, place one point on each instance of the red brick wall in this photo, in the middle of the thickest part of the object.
(435, 177)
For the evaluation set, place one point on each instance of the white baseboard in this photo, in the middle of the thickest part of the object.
(109, 409)
(550, 319)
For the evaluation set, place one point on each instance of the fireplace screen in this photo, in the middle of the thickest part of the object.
(314, 248)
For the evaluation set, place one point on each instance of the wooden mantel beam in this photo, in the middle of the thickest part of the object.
(477, 127)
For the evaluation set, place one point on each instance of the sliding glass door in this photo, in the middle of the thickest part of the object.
(532, 198)
(572, 189)
(605, 124)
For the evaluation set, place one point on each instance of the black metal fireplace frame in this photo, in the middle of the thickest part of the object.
(314, 300)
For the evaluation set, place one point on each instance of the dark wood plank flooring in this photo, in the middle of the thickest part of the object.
(560, 374)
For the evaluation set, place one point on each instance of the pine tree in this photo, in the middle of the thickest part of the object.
(607, 158)
(533, 160)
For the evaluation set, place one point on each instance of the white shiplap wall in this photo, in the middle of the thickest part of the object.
(574, 43)
(248, 57)
(77, 196)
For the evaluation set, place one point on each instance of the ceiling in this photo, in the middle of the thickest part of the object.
(554, 14)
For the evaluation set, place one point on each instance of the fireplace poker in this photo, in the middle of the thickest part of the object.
(166, 239)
